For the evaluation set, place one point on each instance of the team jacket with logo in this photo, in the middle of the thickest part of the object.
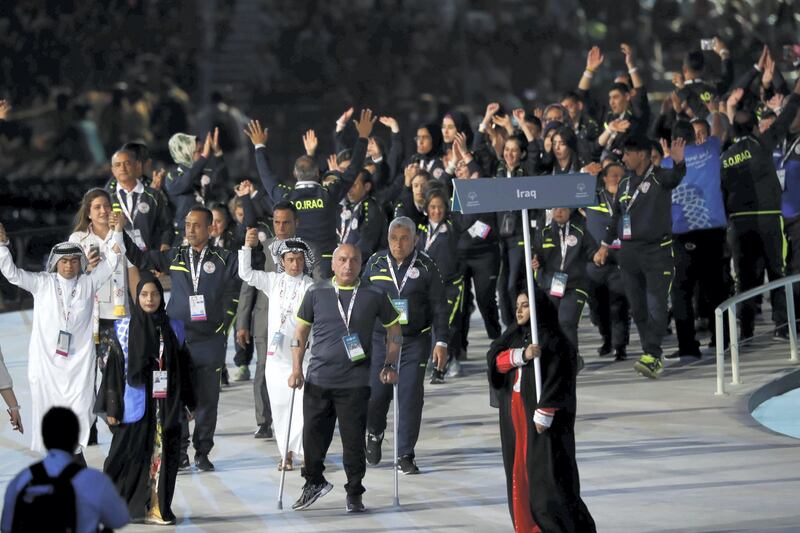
(317, 205)
(362, 224)
(218, 283)
(424, 290)
(580, 246)
(650, 209)
(750, 184)
(153, 218)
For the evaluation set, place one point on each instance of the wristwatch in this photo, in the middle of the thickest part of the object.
(388, 365)
(295, 343)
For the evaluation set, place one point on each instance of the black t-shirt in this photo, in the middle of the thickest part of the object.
(330, 366)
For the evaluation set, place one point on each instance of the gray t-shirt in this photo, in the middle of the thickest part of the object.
(330, 366)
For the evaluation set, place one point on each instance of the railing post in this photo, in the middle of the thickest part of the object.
(718, 319)
(734, 329)
(792, 321)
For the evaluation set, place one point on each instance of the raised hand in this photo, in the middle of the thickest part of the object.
(762, 58)
(619, 125)
(345, 117)
(719, 46)
(310, 142)
(769, 71)
(676, 101)
(504, 122)
(409, 173)
(365, 123)
(251, 238)
(676, 149)
(245, 188)
(5, 109)
(594, 59)
(664, 146)
(627, 51)
(256, 134)
(158, 178)
(735, 98)
(3, 235)
(461, 141)
(333, 164)
(677, 80)
(215, 143)
(207, 145)
(593, 168)
(390, 123)
(519, 114)
(491, 110)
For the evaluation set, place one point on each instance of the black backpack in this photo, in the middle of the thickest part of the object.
(47, 503)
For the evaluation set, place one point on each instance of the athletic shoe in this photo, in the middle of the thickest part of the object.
(373, 449)
(184, 463)
(454, 369)
(781, 333)
(677, 354)
(264, 431)
(649, 366)
(407, 465)
(93, 434)
(311, 493)
(354, 504)
(242, 374)
(620, 354)
(155, 519)
(202, 463)
(437, 377)
(224, 376)
(604, 350)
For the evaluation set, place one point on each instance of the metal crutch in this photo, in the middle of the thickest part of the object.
(286, 453)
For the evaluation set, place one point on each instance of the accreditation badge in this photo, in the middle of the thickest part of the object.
(355, 352)
(627, 232)
(64, 343)
(558, 285)
(197, 307)
(159, 384)
(401, 304)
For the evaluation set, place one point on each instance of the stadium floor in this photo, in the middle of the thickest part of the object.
(665, 456)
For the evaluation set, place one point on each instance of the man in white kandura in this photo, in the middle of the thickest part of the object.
(61, 354)
(285, 290)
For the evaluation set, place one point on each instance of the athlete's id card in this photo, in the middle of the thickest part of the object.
(159, 384)
(138, 240)
(401, 304)
(626, 227)
(64, 342)
(479, 230)
(353, 346)
(197, 307)
(558, 285)
(277, 339)
(616, 244)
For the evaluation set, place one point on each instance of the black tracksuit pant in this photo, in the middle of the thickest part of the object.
(647, 273)
(699, 265)
(570, 306)
(609, 305)
(322, 407)
(410, 390)
(512, 275)
(754, 237)
(208, 358)
(482, 268)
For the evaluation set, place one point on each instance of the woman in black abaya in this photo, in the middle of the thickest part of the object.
(142, 411)
(538, 438)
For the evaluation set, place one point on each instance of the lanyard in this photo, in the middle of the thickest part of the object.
(161, 352)
(405, 277)
(66, 311)
(346, 318)
(130, 212)
(430, 238)
(638, 189)
(286, 309)
(196, 270)
(346, 227)
(563, 236)
(788, 153)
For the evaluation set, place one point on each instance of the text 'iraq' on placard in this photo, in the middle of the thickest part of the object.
(486, 195)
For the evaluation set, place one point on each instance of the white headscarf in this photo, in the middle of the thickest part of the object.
(66, 249)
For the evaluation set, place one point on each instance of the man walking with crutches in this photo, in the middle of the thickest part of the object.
(415, 286)
(343, 312)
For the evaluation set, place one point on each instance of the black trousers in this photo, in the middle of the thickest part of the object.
(410, 390)
(512, 276)
(753, 238)
(260, 393)
(482, 268)
(454, 292)
(608, 304)
(321, 408)
(208, 358)
(699, 266)
(647, 273)
(570, 306)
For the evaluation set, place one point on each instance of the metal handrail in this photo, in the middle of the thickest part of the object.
(729, 305)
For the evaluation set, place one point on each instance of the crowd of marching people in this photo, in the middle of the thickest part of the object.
(353, 278)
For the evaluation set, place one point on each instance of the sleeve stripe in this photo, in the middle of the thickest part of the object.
(307, 323)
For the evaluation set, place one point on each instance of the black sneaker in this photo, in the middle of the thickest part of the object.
(184, 463)
(437, 377)
(93, 435)
(677, 354)
(354, 504)
(225, 379)
(374, 449)
(604, 350)
(264, 432)
(202, 463)
(311, 493)
(407, 465)
(620, 354)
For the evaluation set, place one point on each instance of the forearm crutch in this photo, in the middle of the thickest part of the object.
(286, 452)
